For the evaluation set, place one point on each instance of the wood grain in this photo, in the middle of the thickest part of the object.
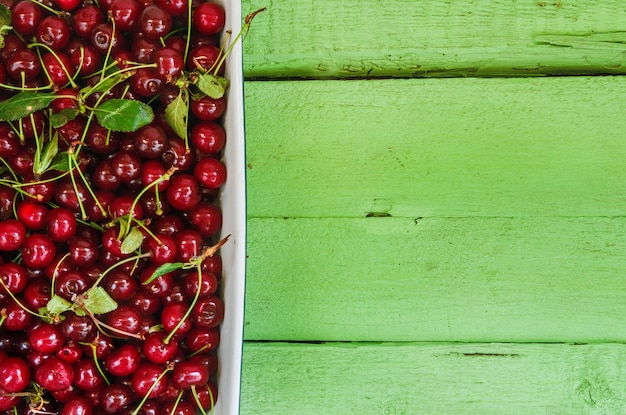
(400, 38)
(437, 279)
(410, 378)
(437, 147)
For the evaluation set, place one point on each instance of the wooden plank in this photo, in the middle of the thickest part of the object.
(400, 38)
(402, 379)
(437, 147)
(437, 279)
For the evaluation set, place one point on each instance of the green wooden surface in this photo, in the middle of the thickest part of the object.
(437, 147)
(409, 378)
(388, 214)
(437, 279)
(357, 38)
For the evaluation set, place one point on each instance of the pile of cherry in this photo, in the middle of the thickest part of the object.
(110, 168)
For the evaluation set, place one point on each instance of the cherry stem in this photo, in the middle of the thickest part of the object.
(177, 401)
(117, 264)
(99, 324)
(197, 399)
(188, 40)
(103, 212)
(75, 186)
(56, 272)
(155, 183)
(53, 52)
(94, 353)
(50, 9)
(22, 306)
(145, 398)
(189, 309)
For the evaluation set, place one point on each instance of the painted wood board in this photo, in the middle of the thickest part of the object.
(400, 38)
(533, 279)
(437, 147)
(413, 378)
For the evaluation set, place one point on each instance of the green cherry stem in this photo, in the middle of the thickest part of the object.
(145, 398)
(117, 264)
(14, 298)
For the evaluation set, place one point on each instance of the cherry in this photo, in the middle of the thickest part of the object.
(190, 244)
(58, 67)
(17, 319)
(172, 315)
(104, 176)
(203, 58)
(200, 339)
(156, 350)
(155, 22)
(170, 63)
(173, 7)
(187, 374)
(206, 218)
(158, 287)
(12, 235)
(115, 397)
(25, 17)
(103, 37)
(151, 171)
(146, 83)
(70, 353)
(14, 277)
(85, 60)
(125, 318)
(177, 155)
(208, 312)
(68, 98)
(209, 18)
(46, 338)
(70, 195)
(144, 48)
(7, 196)
(150, 142)
(61, 224)
(86, 375)
(54, 374)
(168, 225)
(207, 108)
(85, 19)
(183, 192)
(24, 62)
(9, 142)
(122, 205)
(124, 361)
(174, 407)
(126, 165)
(78, 405)
(125, 13)
(146, 382)
(68, 5)
(12, 43)
(208, 283)
(210, 172)
(36, 294)
(102, 141)
(53, 32)
(8, 401)
(162, 250)
(32, 215)
(120, 285)
(71, 283)
(15, 374)
(145, 302)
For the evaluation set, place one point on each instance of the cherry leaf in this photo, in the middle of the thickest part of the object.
(212, 85)
(125, 115)
(5, 23)
(48, 154)
(164, 269)
(59, 119)
(60, 162)
(58, 305)
(24, 104)
(132, 241)
(176, 114)
(98, 301)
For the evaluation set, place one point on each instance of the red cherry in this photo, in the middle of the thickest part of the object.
(187, 374)
(54, 32)
(25, 17)
(12, 235)
(209, 18)
(54, 374)
(124, 361)
(68, 5)
(14, 374)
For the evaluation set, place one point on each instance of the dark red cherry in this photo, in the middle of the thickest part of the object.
(126, 14)
(155, 22)
(12, 235)
(183, 192)
(85, 19)
(207, 108)
(123, 361)
(59, 67)
(85, 60)
(15, 374)
(25, 17)
(54, 32)
(32, 214)
(25, 62)
(146, 83)
(208, 312)
(170, 63)
(103, 38)
(150, 142)
(173, 7)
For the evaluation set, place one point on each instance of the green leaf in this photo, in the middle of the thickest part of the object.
(212, 85)
(24, 104)
(164, 269)
(125, 115)
(59, 119)
(177, 112)
(98, 301)
(48, 154)
(60, 162)
(132, 241)
(5, 23)
(58, 305)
